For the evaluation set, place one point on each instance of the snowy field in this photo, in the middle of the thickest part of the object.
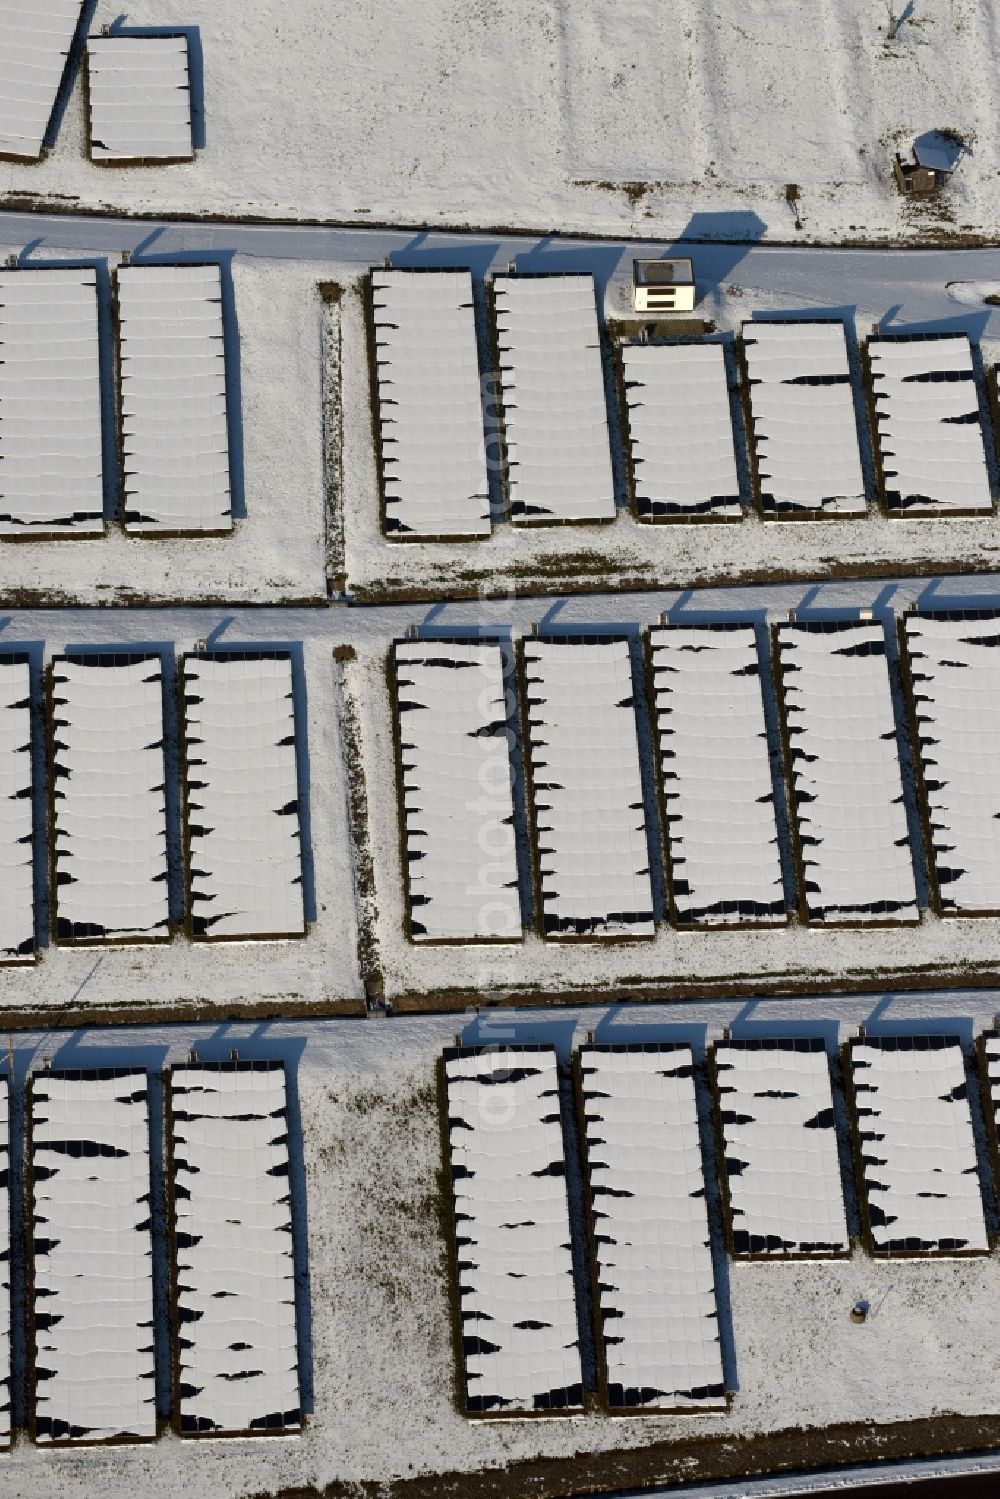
(376, 1361)
(619, 116)
(345, 909)
(307, 500)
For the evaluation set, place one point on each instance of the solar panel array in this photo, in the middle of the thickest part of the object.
(51, 457)
(241, 794)
(109, 798)
(458, 809)
(805, 432)
(93, 1235)
(718, 796)
(35, 40)
(516, 1297)
(92, 1256)
(174, 427)
(927, 424)
(587, 793)
(917, 1147)
(17, 895)
(430, 413)
(235, 1271)
(652, 1242)
(683, 457)
(140, 99)
(554, 409)
(955, 677)
(109, 787)
(847, 786)
(781, 1161)
(175, 435)
(991, 1060)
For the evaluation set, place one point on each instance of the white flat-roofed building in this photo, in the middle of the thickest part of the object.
(5, 1304)
(658, 1323)
(433, 447)
(587, 793)
(786, 1195)
(955, 674)
(17, 895)
(35, 41)
(92, 1257)
(804, 427)
(109, 799)
(718, 794)
(237, 1355)
(175, 435)
(663, 286)
(927, 425)
(241, 779)
(516, 1294)
(139, 90)
(680, 431)
(51, 444)
(847, 787)
(920, 1174)
(457, 804)
(554, 408)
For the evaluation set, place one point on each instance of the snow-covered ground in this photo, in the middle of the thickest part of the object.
(618, 116)
(323, 969)
(376, 1359)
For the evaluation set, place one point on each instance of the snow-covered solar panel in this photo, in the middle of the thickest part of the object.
(430, 414)
(716, 771)
(589, 814)
(516, 1294)
(5, 1306)
(140, 99)
(955, 672)
(94, 1373)
(918, 1150)
(786, 1196)
(244, 841)
(655, 1287)
(109, 807)
(680, 430)
(35, 40)
(173, 397)
(17, 896)
(237, 1354)
(927, 424)
(847, 787)
(458, 809)
(51, 455)
(991, 1057)
(554, 409)
(805, 432)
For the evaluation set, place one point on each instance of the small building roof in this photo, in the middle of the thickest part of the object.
(938, 152)
(663, 272)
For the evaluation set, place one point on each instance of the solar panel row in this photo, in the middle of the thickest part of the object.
(173, 425)
(35, 41)
(519, 1307)
(801, 389)
(720, 773)
(139, 99)
(92, 1318)
(92, 1335)
(109, 789)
